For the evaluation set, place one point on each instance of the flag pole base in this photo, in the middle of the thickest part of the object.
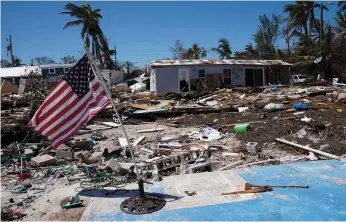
(142, 204)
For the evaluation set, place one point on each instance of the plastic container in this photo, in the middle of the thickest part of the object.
(300, 106)
(252, 147)
(241, 128)
(274, 107)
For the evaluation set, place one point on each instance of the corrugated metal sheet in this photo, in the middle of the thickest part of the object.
(18, 71)
(156, 63)
(57, 66)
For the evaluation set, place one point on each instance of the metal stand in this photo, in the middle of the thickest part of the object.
(142, 204)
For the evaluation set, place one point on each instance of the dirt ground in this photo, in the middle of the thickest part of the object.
(265, 132)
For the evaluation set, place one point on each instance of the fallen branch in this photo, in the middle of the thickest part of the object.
(308, 149)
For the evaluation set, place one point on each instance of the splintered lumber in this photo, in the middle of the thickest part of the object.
(308, 148)
(150, 130)
(138, 140)
(232, 165)
(210, 96)
(146, 150)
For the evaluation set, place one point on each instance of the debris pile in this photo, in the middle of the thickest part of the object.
(186, 133)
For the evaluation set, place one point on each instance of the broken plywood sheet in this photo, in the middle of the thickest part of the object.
(7, 87)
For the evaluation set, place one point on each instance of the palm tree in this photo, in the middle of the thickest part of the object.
(224, 49)
(195, 52)
(89, 20)
(301, 16)
(323, 59)
(107, 53)
(251, 52)
(341, 22)
(342, 5)
(17, 62)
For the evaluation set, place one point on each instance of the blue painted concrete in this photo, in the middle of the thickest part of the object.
(324, 200)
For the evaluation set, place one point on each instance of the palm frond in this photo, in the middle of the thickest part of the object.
(342, 5)
(84, 30)
(73, 23)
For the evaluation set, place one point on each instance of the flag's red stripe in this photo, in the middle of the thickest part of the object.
(96, 86)
(81, 106)
(94, 112)
(66, 120)
(63, 136)
(66, 137)
(51, 99)
(98, 99)
(98, 108)
(59, 104)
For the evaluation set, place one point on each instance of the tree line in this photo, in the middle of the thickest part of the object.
(41, 60)
(313, 45)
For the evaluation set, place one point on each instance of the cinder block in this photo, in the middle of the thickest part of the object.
(84, 143)
(64, 154)
(44, 160)
(215, 165)
(252, 147)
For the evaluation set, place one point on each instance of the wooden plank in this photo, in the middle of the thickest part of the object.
(308, 148)
(150, 130)
(112, 124)
(146, 150)
(138, 140)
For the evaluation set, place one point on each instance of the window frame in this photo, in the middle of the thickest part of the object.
(66, 68)
(50, 71)
(205, 73)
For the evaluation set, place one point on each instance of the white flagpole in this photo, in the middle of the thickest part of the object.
(100, 77)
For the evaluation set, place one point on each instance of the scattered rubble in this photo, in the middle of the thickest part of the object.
(172, 134)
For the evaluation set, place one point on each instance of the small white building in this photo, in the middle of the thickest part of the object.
(14, 74)
(185, 75)
(113, 77)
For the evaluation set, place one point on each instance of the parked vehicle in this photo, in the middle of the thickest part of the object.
(300, 78)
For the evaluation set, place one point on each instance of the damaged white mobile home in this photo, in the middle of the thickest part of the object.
(186, 75)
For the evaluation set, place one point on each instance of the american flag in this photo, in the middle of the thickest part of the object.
(74, 100)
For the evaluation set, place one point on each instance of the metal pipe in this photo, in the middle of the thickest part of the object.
(284, 186)
(98, 75)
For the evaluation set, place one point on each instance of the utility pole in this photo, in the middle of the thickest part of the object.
(9, 48)
(128, 67)
(321, 25)
(115, 54)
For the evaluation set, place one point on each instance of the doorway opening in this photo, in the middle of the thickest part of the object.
(184, 80)
(254, 77)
